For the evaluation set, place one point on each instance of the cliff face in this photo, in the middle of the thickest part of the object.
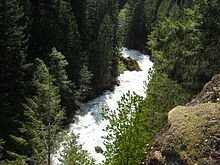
(192, 135)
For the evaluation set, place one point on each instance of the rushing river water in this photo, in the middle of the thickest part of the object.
(89, 124)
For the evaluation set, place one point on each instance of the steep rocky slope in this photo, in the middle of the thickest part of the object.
(192, 135)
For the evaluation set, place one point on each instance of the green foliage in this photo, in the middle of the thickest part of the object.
(181, 48)
(57, 65)
(13, 46)
(103, 42)
(127, 134)
(163, 94)
(122, 3)
(174, 9)
(79, 10)
(139, 18)
(29, 29)
(104, 54)
(182, 57)
(84, 87)
(73, 154)
(1, 147)
(15, 162)
(55, 25)
(44, 115)
(175, 46)
(206, 13)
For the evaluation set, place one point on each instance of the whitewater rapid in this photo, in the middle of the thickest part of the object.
(89, 124)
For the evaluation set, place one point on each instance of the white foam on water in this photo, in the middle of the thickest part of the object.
(90, 125)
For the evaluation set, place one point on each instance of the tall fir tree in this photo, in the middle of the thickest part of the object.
(54, 25)
(57, 65)
(44, 114)
(79, 10)
(102, 22)
(139, 19)
(103, 54)
(13, 46)
(208, 21)
(84, 84)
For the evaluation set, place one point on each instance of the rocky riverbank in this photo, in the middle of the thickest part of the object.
(192, 135)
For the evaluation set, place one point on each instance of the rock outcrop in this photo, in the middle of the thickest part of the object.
(209, 94)
(130, 63)
(98, 149)
(192, 135)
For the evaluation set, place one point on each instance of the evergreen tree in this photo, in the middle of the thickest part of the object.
(44, 115)
(103, 54)
(139, 19)
(54, 25)
(73, 154)
(122, 3)
(15, 162)
(174, 8)
(1, 148)
(103, 43)
(163, 94)
(208, 22)
(84, 84)
(57, 65)
(116, 40)
(181, 60)
(127, 136)
(70, 37)
(176, 45)
(79, 10)
(13, 45)
(136, 25)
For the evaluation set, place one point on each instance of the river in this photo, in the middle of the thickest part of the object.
(89, 124)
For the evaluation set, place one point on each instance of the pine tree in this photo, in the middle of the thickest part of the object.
(116, 40)
(58, 16)
(163, 94)
(13, 45)
(73, 154)
(174, 8)
(1, 148)
(122, 3)
(79, 10)
(44, 115)
(126, 133)
(208, 21)
(176, 47)
(15, 162)
(84, 84)
(139, 15)
(71, 45)
(103, 43)
(57, 65)
(103, 54)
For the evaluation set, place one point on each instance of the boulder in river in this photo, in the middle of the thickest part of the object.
(130, 63)
(98, 149)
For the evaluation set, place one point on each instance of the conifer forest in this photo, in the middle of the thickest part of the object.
(56, 56)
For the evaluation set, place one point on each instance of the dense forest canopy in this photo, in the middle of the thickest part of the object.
(55, 55)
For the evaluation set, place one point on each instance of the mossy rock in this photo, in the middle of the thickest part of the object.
(192, 137)
(130, 64)
(193, 132)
